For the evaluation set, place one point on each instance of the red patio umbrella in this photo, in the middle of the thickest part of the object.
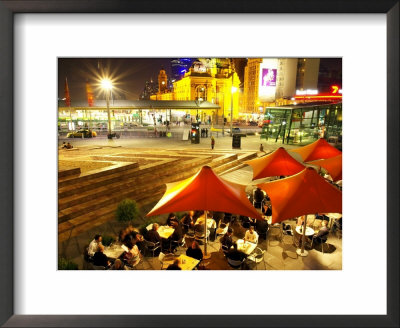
(319, 149)
(278, 163)
(205, 191)
(301, 194)
(333, 165)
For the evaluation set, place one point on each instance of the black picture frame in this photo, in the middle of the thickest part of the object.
(7, 11)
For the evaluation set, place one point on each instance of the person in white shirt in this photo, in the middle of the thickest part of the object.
(94, 245)
(251, 235)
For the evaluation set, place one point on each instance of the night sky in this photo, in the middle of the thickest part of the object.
(130, 74)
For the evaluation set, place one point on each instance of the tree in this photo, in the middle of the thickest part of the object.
(127, 211)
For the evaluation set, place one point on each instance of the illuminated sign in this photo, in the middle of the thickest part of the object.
(268, 77)
(335, 89)
(306, 92)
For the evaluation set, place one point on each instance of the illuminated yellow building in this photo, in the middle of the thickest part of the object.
(251, 82)
(209, 79)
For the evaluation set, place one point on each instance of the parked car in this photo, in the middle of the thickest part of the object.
(85, 133)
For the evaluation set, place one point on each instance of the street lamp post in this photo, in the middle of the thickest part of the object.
(107, 86)
(232, 91)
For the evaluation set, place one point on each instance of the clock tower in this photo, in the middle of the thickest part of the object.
(162, 81)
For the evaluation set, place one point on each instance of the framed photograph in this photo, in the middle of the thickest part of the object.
(66, 105)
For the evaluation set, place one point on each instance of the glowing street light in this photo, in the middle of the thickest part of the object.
(107, 86)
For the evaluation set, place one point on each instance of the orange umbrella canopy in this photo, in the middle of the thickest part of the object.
(304, 193)
(333, 165)
(279, 162)
(205, 191)
(319, 149)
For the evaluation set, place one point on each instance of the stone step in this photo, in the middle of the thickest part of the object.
(142, 182)
(68, 173)
(91, 175)
(70, 197)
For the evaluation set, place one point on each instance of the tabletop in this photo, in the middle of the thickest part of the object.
(210, 222)
(165, 231)
(186, 262)
(309, 231)
(334, 215)
(245, 247)
(113, 251)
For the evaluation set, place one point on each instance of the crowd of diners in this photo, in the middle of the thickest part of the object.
(191, 226)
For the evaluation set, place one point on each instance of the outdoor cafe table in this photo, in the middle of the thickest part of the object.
(309, 231)
(164, 231)
(332, 217)
(113, 251)
(246, 247)
(186, 262)
(210, 222)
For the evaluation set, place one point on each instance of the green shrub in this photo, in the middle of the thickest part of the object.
(127, 211)
(107, 240)
(65, 264)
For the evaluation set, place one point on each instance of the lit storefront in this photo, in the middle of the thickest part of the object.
(303, 123)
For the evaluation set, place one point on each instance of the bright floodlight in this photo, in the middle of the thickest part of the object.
(106, 84)
(234, 89)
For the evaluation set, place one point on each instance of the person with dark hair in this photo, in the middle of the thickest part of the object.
(195, 251)
(94, 245)
(132, 256)
(226, 240)
(188, 219)
(235, 255)
(171, 218)
(99, 258)
(175, 265)
(258, 197)
(153, 235)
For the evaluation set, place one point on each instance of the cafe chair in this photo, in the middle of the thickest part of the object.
(188, 229)
(161, 257)
(257, 256)
(175, 244)
(235, 264)
(225, 249)
(321, 241)
(199, 236)
(152, 247)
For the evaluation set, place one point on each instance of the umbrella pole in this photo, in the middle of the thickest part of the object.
(302, 251)
(206, 256)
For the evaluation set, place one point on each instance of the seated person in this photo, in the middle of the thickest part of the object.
(153, 235)
(188, 219)
(235, 255)
(99, 258)
(69, 146)
(176, 236)
(251, 235)
(322, 234)
(94, 245)
(171, 218)
(226, 240)
(132, 257)
(195, 251)
(175, 265)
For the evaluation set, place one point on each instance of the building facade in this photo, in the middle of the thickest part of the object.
(274, 81)
(208, 79)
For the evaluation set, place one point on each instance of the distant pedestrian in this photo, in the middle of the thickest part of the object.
(206, 133)
(69, 146)
(212, 142)
(261, 148)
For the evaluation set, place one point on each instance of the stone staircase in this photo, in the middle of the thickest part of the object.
(90, 199)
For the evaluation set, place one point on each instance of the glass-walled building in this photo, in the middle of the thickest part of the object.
(302, 123)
